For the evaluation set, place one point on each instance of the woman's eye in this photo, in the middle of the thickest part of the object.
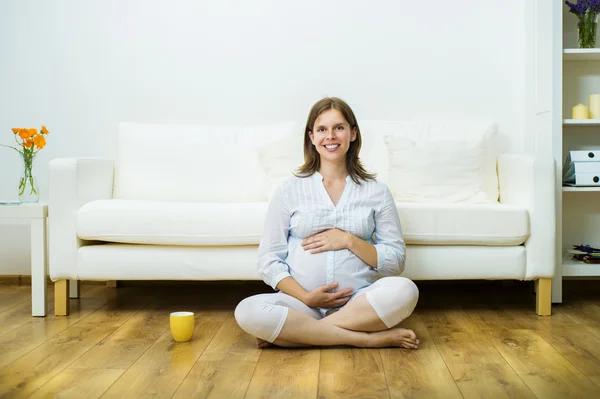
(340, 128)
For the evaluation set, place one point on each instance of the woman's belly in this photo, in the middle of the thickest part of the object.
(315, 270)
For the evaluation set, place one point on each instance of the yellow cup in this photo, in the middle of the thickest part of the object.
(182, 326)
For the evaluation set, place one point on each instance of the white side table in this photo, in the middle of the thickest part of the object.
(35, 216)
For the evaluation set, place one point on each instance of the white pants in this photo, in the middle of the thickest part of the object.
(263, 315)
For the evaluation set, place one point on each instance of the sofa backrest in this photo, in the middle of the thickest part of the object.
(193, 162)
(421, 161)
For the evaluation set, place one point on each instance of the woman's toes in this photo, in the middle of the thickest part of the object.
(408, 345)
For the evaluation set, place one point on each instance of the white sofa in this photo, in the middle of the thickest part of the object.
(187, 202)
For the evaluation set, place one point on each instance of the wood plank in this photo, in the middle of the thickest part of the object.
(593, 330)
(125, 346)
(76, 384)
(489, 381)
(582, 312)
(459, 339)
(231, 343)
(352, 373)
(579, 346)
(286, 373)
(163, 367)
(12, 295)
(495, 316)
(27, 374)
(37, 331)
(419, 373)
(545, 371)
(20, 314)
(475, 364)
(217, 379)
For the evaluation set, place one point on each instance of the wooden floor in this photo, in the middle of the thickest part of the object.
(478, 339)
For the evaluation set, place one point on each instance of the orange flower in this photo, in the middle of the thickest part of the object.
(24, 134)
(44, 130)
(39, 141)
(33, 132)
(27, 143)
(15, 130)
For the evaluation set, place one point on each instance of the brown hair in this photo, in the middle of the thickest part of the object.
(312, 159)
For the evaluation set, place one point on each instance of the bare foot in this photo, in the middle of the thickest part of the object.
(261, 343)
(400, 337)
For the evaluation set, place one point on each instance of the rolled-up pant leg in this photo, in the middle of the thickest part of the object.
(264, 315)
(392, 298)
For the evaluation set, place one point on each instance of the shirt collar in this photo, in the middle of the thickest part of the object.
(318, 177)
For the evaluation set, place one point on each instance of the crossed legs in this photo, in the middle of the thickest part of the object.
(366, 321)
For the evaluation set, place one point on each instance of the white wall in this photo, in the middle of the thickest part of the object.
(79, 67)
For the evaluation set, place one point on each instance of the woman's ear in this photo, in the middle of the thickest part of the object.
(311, 136)
(353, 136)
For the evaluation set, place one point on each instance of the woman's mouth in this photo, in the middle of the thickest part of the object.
(331, 147)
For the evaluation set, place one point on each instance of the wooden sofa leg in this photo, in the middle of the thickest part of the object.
(61, 298)
(111, 284)
(543, 297)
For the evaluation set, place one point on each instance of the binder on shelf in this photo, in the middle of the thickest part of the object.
(582, 180)
(582, 156)
(582, 168)
(577, 168)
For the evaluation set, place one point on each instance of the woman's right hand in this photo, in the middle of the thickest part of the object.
(320, 298)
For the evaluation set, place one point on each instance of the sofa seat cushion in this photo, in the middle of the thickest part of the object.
(171, 223)
(463, 224)
(228, 224)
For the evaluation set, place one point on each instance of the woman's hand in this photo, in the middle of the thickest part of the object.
(320, 298)
(328, 240)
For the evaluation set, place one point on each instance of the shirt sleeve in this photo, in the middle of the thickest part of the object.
(273, 248)
(391, 250)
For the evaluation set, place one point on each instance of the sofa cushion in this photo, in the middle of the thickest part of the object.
(171, 223)
(463, 224)
(211, 224)
(280, 159)
(193, 162)
(437, 171)
(375, 152)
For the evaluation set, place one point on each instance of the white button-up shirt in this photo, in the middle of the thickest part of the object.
(301, 207)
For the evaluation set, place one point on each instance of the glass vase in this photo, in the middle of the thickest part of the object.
(28, 185)
(586, 30)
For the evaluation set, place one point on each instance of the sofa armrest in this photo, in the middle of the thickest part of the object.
(527, 180)
(72, 183)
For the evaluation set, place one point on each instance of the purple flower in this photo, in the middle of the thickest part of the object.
(582, 6)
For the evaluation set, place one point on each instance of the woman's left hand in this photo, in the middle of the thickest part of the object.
(328, 240)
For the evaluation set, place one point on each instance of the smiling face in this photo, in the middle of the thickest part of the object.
(332, 135)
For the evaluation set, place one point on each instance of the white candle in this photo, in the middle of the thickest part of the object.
(580, 111)
(594, 106)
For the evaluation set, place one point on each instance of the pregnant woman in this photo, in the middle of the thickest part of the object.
(333, 249)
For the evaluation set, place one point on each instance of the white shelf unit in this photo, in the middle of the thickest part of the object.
(577, 75)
